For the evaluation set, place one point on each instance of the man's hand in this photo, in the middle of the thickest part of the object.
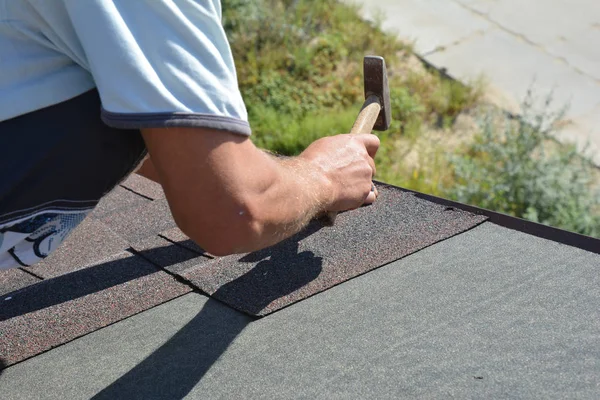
(347, 161)
(231, 197)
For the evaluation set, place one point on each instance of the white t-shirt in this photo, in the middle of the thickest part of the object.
(155, 63)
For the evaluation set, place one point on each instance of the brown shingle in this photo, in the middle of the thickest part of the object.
(318, 258)
(119, 199)
(167, 255)
(144, 186)
(90, 242)
(15, 279)
(145, 221)
(58, 310)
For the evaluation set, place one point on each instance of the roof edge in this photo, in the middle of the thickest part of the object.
(569, 238)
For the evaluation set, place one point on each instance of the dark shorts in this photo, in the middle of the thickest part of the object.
(56, 164)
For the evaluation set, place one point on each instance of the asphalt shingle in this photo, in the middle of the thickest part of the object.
(58, 310)
(89, 243)
(15, 279)
(318, 258)
(142, 222)
(175, 235)
(118, 199)
(144, 186)
(490, 313)
(167, 255)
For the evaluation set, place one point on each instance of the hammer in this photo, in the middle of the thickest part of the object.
(375, 113)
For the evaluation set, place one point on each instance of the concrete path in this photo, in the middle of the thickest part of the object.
(552, 45)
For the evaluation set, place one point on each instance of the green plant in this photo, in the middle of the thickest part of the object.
(299, 66)
(300, 56)
(407, 111)
(514, 167)
(283, 135)
(296, 58)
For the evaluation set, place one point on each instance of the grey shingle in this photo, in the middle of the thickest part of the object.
(491, 313)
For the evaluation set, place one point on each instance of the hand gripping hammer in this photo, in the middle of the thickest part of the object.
(375, 113)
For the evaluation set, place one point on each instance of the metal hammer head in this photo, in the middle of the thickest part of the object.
(376, 83)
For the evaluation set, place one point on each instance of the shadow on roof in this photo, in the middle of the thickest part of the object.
(86, 281)
(279, 271)
(51, 292)
(397, 225)
(173, 370)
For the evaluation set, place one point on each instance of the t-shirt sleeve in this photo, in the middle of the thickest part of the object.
(160, 63)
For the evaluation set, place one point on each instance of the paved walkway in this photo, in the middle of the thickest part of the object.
(513, 43)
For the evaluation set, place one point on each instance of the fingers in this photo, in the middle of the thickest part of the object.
(370, 141)
(348, 162)
(373, 168)
(372, 196)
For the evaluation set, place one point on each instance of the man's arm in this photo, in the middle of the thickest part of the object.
(231, 197)
(166, 68)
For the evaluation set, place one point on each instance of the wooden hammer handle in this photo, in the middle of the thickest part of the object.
(364, 124)
(368, 115)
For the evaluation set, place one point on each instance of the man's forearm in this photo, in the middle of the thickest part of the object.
(297, 193)
(231, 197)
(297, 211)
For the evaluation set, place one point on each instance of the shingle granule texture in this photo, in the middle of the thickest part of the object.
(144, 186)
(118, 199)
(89, 243)
(318, 258)
(14, 279)
(167, 255)
(58, 310)
(142, 222)
(175, 235)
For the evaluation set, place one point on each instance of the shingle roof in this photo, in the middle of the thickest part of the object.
(318, 258)
(130, 249)
(58, 310)
(94, 279)
(468, 300)
(15, 279)
(490, 313)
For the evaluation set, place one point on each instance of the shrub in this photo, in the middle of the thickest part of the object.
(514, 167)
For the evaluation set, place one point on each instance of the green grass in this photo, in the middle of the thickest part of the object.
(291, 136)
(299, 66)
